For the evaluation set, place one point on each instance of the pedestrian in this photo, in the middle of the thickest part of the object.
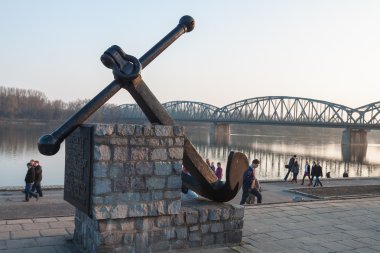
(312, 172)
(250, 183)
(208, 162)
(290, 166)
(219, 171)
(306, 172)
(187, 193)
(212, 166)
(295, 170)
(38, 178)
(29, 180)
(318, 174)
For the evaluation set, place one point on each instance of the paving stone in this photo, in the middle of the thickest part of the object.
(21, 221)
(67, 248)
(53, 232)
(351, 243)
(48, 249)
(51, 240)
(281, 235)
(35, 226)
(334, 246)
(21, 243)
(366, 250)
(25, 234)
(360, 233)
(4, 236)
(368, 241)
(61, 224)
(7, 228)
(3, 245)
(39, 220)
(67, 218)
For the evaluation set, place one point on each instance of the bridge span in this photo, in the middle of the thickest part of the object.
(271, 110)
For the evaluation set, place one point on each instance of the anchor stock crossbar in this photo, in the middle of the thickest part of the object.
(126, 70)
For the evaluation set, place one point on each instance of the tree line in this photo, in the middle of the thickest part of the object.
(26, 104)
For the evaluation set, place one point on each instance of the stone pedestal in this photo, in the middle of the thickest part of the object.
(135, 194)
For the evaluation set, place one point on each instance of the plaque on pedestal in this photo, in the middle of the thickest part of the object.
(78, 164)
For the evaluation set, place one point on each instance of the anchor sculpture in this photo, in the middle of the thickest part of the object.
(127, 75)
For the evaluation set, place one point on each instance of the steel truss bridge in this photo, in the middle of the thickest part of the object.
(272, 110)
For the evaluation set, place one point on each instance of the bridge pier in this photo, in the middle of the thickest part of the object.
(354, 145)
(221, 133)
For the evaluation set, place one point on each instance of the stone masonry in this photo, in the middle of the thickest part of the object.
(136, 196)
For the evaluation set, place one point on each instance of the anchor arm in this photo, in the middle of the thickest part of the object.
(49, 144)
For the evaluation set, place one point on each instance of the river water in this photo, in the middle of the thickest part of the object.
(272, 145)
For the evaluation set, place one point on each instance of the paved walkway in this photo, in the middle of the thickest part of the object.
(348, 225)
(39, 235)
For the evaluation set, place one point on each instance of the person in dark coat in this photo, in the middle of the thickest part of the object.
(38, 178)
(312, 172)
(29, 180)
(318, 173)
(290, 166)
(251, 183)
(296, 170)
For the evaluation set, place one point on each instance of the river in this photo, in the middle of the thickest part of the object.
(272, 145)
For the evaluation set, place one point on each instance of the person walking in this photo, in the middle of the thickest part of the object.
(290, 166)
(38, 178)
(250, 183)
(312, 172)
(318, 173)
(296, 170)
(219, 171)
(306, 172)
(29, 180)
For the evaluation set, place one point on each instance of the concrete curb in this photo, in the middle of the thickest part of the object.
(324, 179)
(20, 188)
(268, 181)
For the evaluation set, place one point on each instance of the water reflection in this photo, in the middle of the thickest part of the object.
(354, 153)
(18, 144)
(273, 145)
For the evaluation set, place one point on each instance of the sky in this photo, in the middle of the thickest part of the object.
(327, 50)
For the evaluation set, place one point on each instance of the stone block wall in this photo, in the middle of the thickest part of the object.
(136, 170)
(136, 196)
(200, 224)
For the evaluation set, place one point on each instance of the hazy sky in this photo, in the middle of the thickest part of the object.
(328, 50)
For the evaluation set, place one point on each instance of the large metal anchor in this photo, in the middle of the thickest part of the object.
(126, 71)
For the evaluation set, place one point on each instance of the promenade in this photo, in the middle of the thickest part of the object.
(340, 224)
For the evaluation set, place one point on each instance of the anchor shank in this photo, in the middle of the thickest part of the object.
(156, 113)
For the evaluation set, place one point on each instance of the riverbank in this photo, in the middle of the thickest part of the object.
(274, 192)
